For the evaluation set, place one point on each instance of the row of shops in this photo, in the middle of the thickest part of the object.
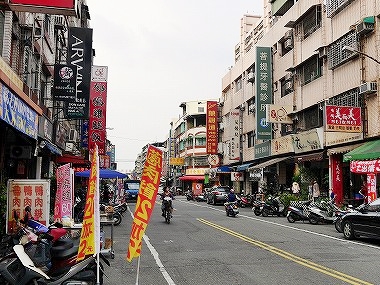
(345, 170)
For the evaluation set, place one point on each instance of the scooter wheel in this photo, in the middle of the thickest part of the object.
(313, 219)
(290, 218)
(257, 212)
(116, 219)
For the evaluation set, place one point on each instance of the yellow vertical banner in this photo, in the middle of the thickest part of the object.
(90, 234)
(150, 180)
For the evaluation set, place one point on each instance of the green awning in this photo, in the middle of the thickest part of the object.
(369, 150)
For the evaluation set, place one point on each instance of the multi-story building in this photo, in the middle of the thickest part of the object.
(35, 136)
(303, 92)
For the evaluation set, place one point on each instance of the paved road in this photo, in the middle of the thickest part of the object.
(202, 246)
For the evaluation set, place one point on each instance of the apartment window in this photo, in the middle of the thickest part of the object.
(189, 141)
(251, 139)
(286, 86)
(310, 69)
(336, 56)
(333, 7)
(309, 23)
(200, 141)
(348, 98)
(238, 84)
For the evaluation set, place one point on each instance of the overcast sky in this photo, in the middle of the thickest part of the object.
(160, 53)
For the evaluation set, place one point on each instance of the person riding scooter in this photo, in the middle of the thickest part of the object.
(231, 196)
(166, 193)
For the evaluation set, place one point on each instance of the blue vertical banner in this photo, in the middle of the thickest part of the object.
(263, 73)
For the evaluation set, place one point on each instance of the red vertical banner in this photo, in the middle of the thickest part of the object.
(98, 107)
(212, 127)
(150, 180)
(337, 176)
(371, 187)
(64, 195)
(90, 234)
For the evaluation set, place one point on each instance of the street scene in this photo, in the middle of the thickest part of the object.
(203, 246)
(188, 142)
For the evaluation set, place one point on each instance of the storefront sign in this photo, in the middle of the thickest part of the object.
(307, 141)
(64, 88)
(79, 55)
(279, 114)
(263, 75)
(177, 161)
(365, 166)
(34, 193)
(337, 176)
(17, 114)
(196, 171)
(212, 127)
(282, 145)
(263, 149)
(98, 109)
(234, 153)
(343, 119)
(334, 138)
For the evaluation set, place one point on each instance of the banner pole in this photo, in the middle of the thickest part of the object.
(138, 271)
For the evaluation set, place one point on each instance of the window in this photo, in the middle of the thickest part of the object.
(238, 84)
(251, 139)
(310, 69)
(200, 141)
(286, 86)
(309, 23)
(348, 98)
(251, 106)
(333, 7)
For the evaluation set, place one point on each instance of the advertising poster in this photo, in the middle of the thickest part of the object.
(212, 127)
(150, 180)
(34, 193)
(65, 193)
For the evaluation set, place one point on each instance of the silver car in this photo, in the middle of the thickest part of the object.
(218, 195)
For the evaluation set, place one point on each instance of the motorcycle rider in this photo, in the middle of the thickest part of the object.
(166, 193)
(231, 196)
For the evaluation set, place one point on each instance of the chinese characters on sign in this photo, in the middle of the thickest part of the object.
(65, 193)
(337, 177)
(28, 192)
(150, 179)
(98, 104)
(90, 234)
(212, 127)
(234, 153)
(263, 70)
(343, 119)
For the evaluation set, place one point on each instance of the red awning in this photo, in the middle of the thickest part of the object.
(74, 160)
(192, 177)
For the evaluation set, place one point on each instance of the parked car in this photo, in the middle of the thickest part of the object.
(363, 222)
(218, 195)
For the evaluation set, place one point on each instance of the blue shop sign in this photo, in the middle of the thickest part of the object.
(18, 114)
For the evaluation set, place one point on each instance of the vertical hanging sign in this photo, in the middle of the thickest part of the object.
(263, 70)
(79, 55)
(234, 153)
(98, 107)
(212, 127)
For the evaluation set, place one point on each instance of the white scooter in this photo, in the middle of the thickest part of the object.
(324, 212)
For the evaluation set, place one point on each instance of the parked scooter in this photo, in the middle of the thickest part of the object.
(274, 207)
(298, 212)
(231, 208)
(244, 201)
(257, 207)
(189, 196)
(323, 212)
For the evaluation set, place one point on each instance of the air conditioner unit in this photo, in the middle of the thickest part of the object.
(289, 85)
(288, 44)
(251, 77)
(18, 151)
(69, 146)
(73, 135)
(288, 34)
(364, 28)
(368, 88)
(322, 52)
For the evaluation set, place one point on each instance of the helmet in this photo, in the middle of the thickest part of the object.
(232, 190)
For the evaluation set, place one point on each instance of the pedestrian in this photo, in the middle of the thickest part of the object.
(310, 191)
(316, 192)
(295, 188)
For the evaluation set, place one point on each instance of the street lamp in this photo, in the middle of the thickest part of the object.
(351, 49)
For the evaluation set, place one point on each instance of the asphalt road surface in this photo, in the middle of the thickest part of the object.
(202, 245)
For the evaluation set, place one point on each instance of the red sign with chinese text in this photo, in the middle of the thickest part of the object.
(343, 119)
(365, 166)
(69, 4)
(65, 193)
(150, 180)
(371, 187)
(97, 121)
(337, 176)
(212, 127)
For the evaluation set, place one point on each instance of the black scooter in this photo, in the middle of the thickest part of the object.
(274, 207)
(298, 211)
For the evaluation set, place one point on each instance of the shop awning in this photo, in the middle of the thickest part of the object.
(316, 156)
(223, 169)
(267, 163)
(342, 149)
(243, 167)
(192, 177)
(368, 151)
(53, 148)
(74, 160)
